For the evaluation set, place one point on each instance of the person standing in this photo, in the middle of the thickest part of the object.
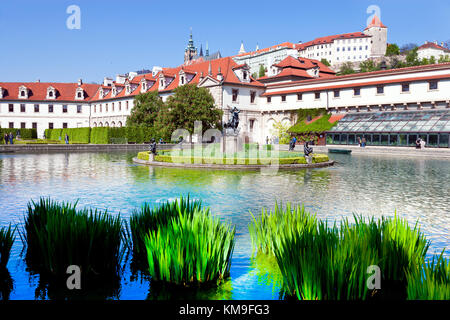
(11, 138)
(363, 141)
(6, 138)
(359, 142)
(66, 139)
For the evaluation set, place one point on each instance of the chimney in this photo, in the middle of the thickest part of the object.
(435, 42)
(219, 75)
(442, 44)
(38, 80)
(80, 82)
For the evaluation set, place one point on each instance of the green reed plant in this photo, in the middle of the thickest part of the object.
(149, 218)
(58, 235)
(7, 236)
(267, 229)
(318, 261)
(190, 250)
(431, 281)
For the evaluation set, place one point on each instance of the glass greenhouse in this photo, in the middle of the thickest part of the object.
(393, 128)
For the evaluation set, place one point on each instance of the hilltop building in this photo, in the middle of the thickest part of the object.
(432, 49)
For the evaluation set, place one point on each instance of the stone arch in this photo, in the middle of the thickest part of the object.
(286, 121)
(94, 124)
(106, 124)
(100, 124)
(113, 124)
(119, 124)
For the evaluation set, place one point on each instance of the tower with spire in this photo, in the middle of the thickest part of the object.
(191, 51)
(242, 50)
(378, 31)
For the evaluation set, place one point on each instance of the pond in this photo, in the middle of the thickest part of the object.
(417, 189)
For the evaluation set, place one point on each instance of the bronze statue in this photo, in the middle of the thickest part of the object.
(233, 123)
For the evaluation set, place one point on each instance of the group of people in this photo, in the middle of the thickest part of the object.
(9, 138)
(362, 142)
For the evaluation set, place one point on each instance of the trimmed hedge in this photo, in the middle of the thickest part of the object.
(24, 133)
(76, 135)
(317, 158)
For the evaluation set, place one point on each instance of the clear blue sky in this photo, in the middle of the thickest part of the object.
(121, 36)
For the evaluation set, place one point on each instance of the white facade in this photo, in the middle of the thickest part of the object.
(430, 49)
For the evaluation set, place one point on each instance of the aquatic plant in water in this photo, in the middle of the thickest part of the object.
(192, 249)
(58, 235)
(7, 235)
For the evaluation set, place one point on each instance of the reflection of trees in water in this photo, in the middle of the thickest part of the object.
(6, 284)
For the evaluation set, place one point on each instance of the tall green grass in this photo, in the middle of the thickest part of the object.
(321, 261)
(149, 218)
(431, 281)
(58, 235)
(190, 250)
(6, 241)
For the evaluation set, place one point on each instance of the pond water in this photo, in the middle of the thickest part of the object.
(418, 189)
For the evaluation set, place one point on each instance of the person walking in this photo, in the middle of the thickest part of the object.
(11, 138)
(363, 142)
(359, 142)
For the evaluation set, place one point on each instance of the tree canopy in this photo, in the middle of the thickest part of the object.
(262, 71)
(325, 62)
(188, 104)
(145, 110)
(346, 68)
(392, 50)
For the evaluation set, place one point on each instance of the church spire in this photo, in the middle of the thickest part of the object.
(207, 50)
(201, 51)
(191, 51)
(242, 50)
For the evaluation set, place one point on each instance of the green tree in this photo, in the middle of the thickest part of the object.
(262, 71)
(145, 110)
(280, 130)
(254, 75)
(368, 66)
(346, 68)
(396, 63)
(432, 60)
(188, 104)
(392, 50)
(412, 58)
(407, 48)
(443, 59)
(325, 62)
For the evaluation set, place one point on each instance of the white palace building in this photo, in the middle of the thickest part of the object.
(293, 83)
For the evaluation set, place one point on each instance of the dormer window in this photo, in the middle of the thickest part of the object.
(23, 92)
(101, 94)
(182, 80)
(128, 89)
(144, 86)
(1, 92)
(79, 94)
(244, 75)
(114, 91)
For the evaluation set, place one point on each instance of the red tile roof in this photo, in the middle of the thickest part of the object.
(281, 45)
(432, 45)
(37, 91)
(376, 22)
(330, 39)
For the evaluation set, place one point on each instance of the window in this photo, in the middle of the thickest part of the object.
(405, 87)
(100, 110)
(22, 125)
(252, 96)
(252, 124)
(120, 105)
(64, 108)
(299, 96)
(22, 107)
(50, 108)
(79, 108)
(269, 99)
(380, 89)
(50, 125)
(34, 125)
(10, 107)
(433, 85)
(127, 105)
(106, 107)
(36, 108)
(338, 49)
(283, 98)
(244, 75)
(337, 93)
(50, 94)
(357, 91)
(317, 95)
(112, 107)
(234, 94)
(79, 94)
(11, 125)
(64, 125)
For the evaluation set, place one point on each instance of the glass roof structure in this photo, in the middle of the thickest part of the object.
(437, 121)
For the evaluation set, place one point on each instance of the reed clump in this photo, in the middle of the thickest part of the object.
(431, 281)
(331, 262)
(192, 249)
(149, 218)
(7, 236)
(57, 235)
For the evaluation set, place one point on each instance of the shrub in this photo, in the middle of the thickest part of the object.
(6, 242)
(100, 135)
(24, 133)
(320, 125)
(57, 236)
(190, 250)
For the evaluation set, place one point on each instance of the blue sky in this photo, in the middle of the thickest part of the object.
(121, 36)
